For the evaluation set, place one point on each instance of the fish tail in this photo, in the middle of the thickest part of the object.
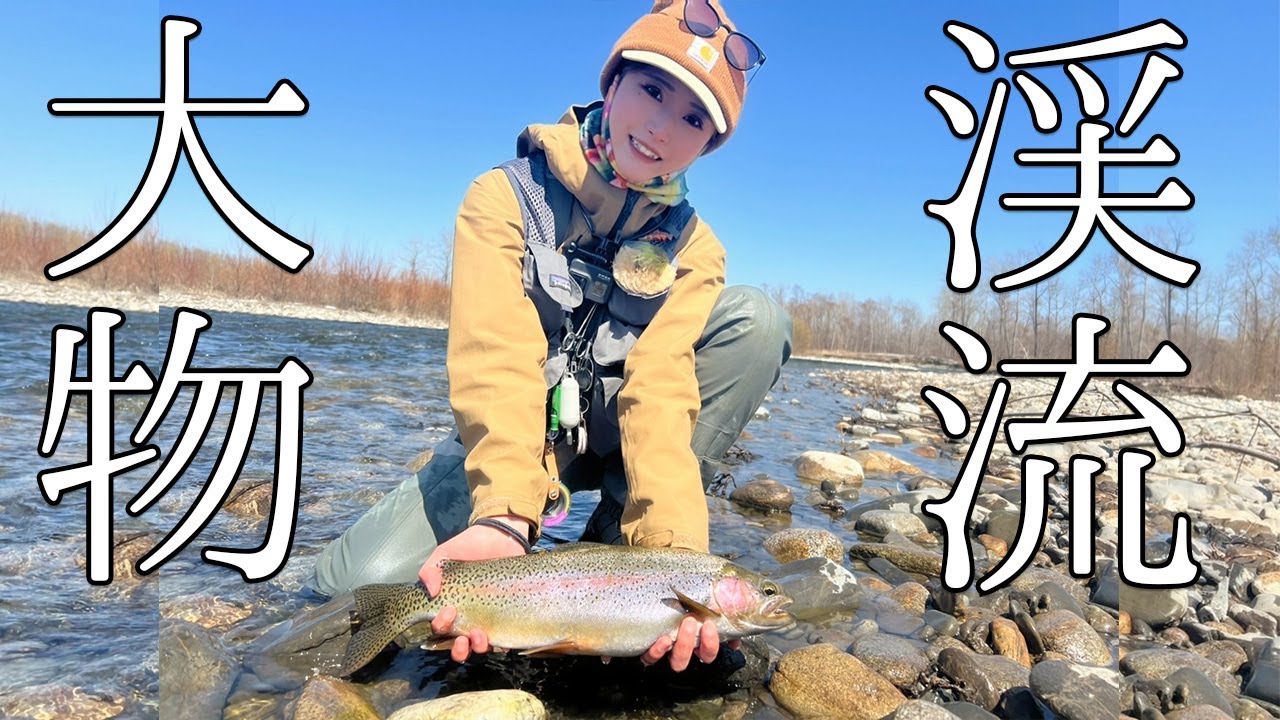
(377, 620)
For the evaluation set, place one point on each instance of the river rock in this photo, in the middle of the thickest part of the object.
(922, 710)
(1267, 582)
(818, 587)
(765, 494)
(1264, 682)
(316, 639)
(326, 698)
(420, 460)
(1160, 663)
(1006, 639)
(1158, 607)
(907, 558)
(816, 466)
(984, 679)
(1199, 712)
(1223, 653)
(898, 660)
(55, 701)
(204, 610)
(1190, 687)
(1076, 692)
(1032, 577)
(800, 543)
(886, 438)
(819, 681)
(197, 672)
(883, 522)
(250, 498)
(911, 595)
(504, 704)
(1065, 632)
(877, 462)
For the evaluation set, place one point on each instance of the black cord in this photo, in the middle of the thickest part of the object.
(511, 532)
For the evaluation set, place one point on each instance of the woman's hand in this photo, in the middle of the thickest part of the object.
(704, 639)
(475, 543)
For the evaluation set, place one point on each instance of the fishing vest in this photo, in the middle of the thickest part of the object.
(546, 207)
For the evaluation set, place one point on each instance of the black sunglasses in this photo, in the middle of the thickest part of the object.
(703, 21)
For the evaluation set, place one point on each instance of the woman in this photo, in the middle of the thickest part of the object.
(669, 365)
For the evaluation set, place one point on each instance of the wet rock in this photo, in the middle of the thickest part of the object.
(1189, 687)
(921, 710)
(919, 436)
(907, 558)
(1160, 663)
(55, 701)
(1003, 524)
(821, 682)
(816, 466)
(125, 554)
(876, 462)
(898, 660)
(196, 672)
(326, 698)
(1033, 577)
(1065, 632)
(908, 502)
(925, 451)
(1050, 596)
(204, 610)
(886, 438)
(250, 498)
(984, 679)
(872, 415)
(1199, 712)
(818, 587)
(1006, 639)
(911, 596)
(506, 704)
(1264, 682)
(314, 640)
(801, 543)
(1158, 607)
(1223, 653)
(883, 522)
(1075, 692)
(764, 494)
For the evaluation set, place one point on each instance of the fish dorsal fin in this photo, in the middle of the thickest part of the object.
(700, 611)
(564, 647)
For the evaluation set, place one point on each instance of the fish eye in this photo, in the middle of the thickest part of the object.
(770, 589)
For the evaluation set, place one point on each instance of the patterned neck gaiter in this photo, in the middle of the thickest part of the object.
(598, 148)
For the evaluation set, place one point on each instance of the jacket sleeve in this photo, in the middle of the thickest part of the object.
(658, 407)
(496, 350)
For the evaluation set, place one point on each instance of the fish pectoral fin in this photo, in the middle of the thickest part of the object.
(440, 643)
(702, 612)
(564, 647)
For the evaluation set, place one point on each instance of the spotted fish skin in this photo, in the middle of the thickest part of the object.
(580, 599)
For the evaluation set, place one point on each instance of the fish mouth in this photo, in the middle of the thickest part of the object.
(775, 610)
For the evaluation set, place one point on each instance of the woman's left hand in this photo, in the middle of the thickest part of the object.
(691, 638)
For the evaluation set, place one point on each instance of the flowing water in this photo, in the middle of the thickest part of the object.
(379, 398)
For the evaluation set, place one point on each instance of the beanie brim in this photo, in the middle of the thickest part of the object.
(691, 81)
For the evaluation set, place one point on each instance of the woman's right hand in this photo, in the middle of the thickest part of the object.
(477, 542)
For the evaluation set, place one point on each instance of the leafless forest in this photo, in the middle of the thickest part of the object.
(1227, 323)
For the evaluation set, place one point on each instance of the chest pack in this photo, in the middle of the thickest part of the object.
(590, 320)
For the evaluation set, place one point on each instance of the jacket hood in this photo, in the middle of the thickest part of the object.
(565, 158)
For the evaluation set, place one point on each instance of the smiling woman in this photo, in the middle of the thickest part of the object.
(592, 343)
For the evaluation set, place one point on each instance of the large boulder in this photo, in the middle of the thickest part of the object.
(819, 681)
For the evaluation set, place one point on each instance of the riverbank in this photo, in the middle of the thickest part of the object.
(69, 292)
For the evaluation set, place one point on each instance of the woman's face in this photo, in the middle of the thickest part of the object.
(657, 125)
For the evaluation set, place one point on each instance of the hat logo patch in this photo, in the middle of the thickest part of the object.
(703, 53)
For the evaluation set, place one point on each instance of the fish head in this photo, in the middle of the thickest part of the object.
(749, 602)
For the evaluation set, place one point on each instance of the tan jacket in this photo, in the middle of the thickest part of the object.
(497, 349)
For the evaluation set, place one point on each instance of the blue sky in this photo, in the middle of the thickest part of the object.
(822, 187)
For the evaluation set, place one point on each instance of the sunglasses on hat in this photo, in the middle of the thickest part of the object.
(703, 21)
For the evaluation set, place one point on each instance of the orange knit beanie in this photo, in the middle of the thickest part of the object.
(662, 40)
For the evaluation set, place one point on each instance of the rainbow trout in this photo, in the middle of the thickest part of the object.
(579, 599)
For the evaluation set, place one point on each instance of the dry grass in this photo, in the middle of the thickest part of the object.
(345, 278)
